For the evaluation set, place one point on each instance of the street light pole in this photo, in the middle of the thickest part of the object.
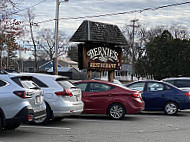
(55, 60)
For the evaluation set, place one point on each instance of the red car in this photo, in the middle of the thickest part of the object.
(101, 97)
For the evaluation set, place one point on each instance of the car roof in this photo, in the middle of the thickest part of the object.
(176, 78)
(157, 81)
(43, 75)
(148, 81)
(115, 81)
(98, 81)
(11, 75)
(102, 81)
(145, 81)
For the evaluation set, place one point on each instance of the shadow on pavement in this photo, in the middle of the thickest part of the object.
(161, 113)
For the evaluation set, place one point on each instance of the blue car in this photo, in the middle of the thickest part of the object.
(159, 95)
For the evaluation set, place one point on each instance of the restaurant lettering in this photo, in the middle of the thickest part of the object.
(103, 65)
(103, 54)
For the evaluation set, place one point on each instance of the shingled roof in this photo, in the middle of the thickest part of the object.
(98, 32)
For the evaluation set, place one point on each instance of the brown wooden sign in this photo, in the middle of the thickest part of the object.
(99, 57)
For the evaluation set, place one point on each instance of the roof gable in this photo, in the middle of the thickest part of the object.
(61, 69)
(98, 32)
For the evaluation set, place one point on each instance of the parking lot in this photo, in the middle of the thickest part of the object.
(143, 127)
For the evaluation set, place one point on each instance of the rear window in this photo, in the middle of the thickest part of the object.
(2, 83)
(65, 83)
(98, 87)
(170, 81)
(182, 83)
(25, 82)
(137, 86)
(39, 83)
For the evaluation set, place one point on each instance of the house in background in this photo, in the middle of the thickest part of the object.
(29, 66)
(70, 72)
(68, 63)
(61, 63)
(125, 73)
(65, 68)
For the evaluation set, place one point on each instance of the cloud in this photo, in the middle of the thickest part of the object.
(77, 8)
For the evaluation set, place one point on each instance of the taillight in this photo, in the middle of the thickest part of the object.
(30, 117)
(21, 94)
(187, 94)
(65, 92)
(136, 95)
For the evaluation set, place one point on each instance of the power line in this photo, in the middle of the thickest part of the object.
(119, 13)
(26, 8)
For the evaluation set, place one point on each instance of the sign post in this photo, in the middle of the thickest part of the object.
(100, 57)
(101, 50)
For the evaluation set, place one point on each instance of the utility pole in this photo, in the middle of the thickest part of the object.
(55, 58)
(132, 45)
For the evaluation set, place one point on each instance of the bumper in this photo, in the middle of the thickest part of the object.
(136, 106)
(39, 114)
(61, 110)
(22, 116)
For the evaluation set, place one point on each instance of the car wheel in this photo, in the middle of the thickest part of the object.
(116, 111)
(171, 108)
(45, 120)
(1, 124)
(58, 118)
(12, 126)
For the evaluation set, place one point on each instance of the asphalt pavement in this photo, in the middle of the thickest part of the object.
(143, 127)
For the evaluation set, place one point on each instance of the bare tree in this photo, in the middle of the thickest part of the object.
(46, 42)
(140, 35)
(10, 29)
(179, 32)
(30, 19)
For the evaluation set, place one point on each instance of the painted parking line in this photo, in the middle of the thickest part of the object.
(44, 127)
(93, 120)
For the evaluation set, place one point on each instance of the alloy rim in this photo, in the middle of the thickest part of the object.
(171, 108)
(116, 111)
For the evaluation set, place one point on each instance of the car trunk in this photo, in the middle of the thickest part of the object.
(32, 92)
(75, 92)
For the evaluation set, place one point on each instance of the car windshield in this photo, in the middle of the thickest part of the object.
(137, 86)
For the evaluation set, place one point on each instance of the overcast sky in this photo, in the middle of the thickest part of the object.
(45, 10)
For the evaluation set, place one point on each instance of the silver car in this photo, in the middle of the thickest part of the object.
(62, 98)
(182, 83)
(20, 101)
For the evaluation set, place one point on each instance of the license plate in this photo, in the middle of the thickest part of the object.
(38, 99)
(77, 98)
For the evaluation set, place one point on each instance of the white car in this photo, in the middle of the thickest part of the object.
(62, 98)
(20, 101)
(182, 83)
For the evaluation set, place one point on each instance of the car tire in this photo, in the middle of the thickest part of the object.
(1, 124)
(12, 126)
(58, 118)
(171, 108)
(45, 120)
(116, 111)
